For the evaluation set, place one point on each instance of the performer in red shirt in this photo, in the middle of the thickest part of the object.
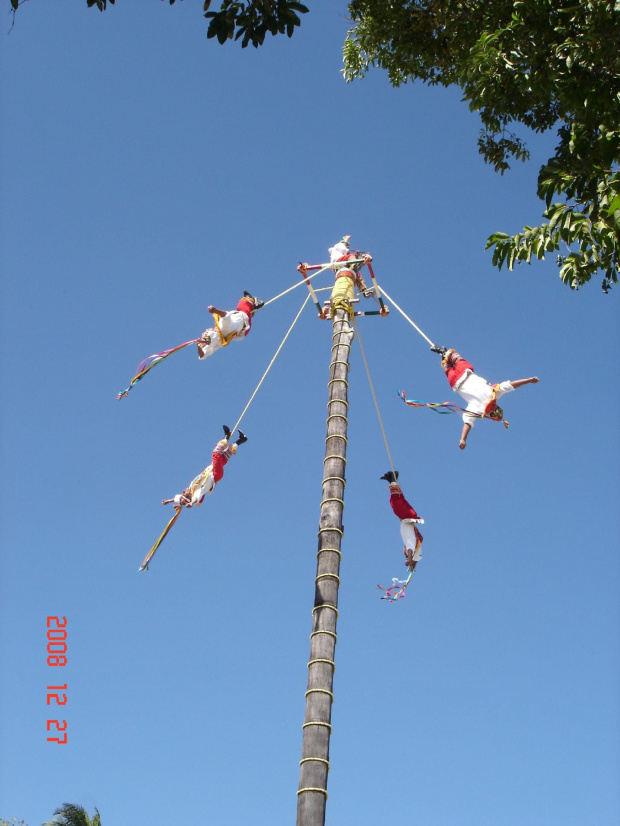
(411, 536)
(206, 481)
(479, 394)
(229, 325)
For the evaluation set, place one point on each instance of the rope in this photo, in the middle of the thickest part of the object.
(332, 551)
(313, 789)
(372, 390)
(288, 332)
(317, 723)
(299, 283)
(322, 576)
(323, 631)
(404, 315)
(323, 660)
(318, 759)
(320, 691)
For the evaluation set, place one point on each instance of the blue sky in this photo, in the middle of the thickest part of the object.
(148, 172)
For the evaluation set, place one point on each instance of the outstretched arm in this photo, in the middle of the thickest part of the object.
(521, 382)
(464, 435)
(214, 311)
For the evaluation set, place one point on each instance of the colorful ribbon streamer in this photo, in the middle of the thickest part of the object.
(150, 362)
(448, 407)
(151, 553)
(398, 586)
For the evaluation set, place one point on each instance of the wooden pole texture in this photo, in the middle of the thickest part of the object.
(314, 765)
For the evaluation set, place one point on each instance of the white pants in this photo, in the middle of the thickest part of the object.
(234, 323)
(205, 484)
(477, 392)
(409, 539)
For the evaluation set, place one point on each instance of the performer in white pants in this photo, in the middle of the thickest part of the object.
(204, 484)
(411, 536)
(230, 325)
(479, 394)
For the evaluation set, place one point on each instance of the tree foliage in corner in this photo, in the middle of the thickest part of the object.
(71, 814)
(544, 64)
(247, 20)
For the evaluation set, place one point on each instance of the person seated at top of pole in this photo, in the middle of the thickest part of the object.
(347, 277)
(229, 325)
(479, 394)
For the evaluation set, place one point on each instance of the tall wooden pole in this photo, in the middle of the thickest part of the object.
(314, 765)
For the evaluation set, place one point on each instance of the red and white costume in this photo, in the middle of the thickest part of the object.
(205, 483)
(234, 325)
(479, 394)
(412, 538)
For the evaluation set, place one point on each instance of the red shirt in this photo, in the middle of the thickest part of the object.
(246, 306)
(401, 507)
(455, 372)
(351, 273)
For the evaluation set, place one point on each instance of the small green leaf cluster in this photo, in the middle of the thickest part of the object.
(590, 239)
(247, 20)
(72, 814)
(101, 4)
(252, 20)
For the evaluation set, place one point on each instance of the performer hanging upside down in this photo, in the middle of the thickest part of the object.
(412, 538)
(347, 278)
(229, 325)
(479, 394)
(206, 481)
